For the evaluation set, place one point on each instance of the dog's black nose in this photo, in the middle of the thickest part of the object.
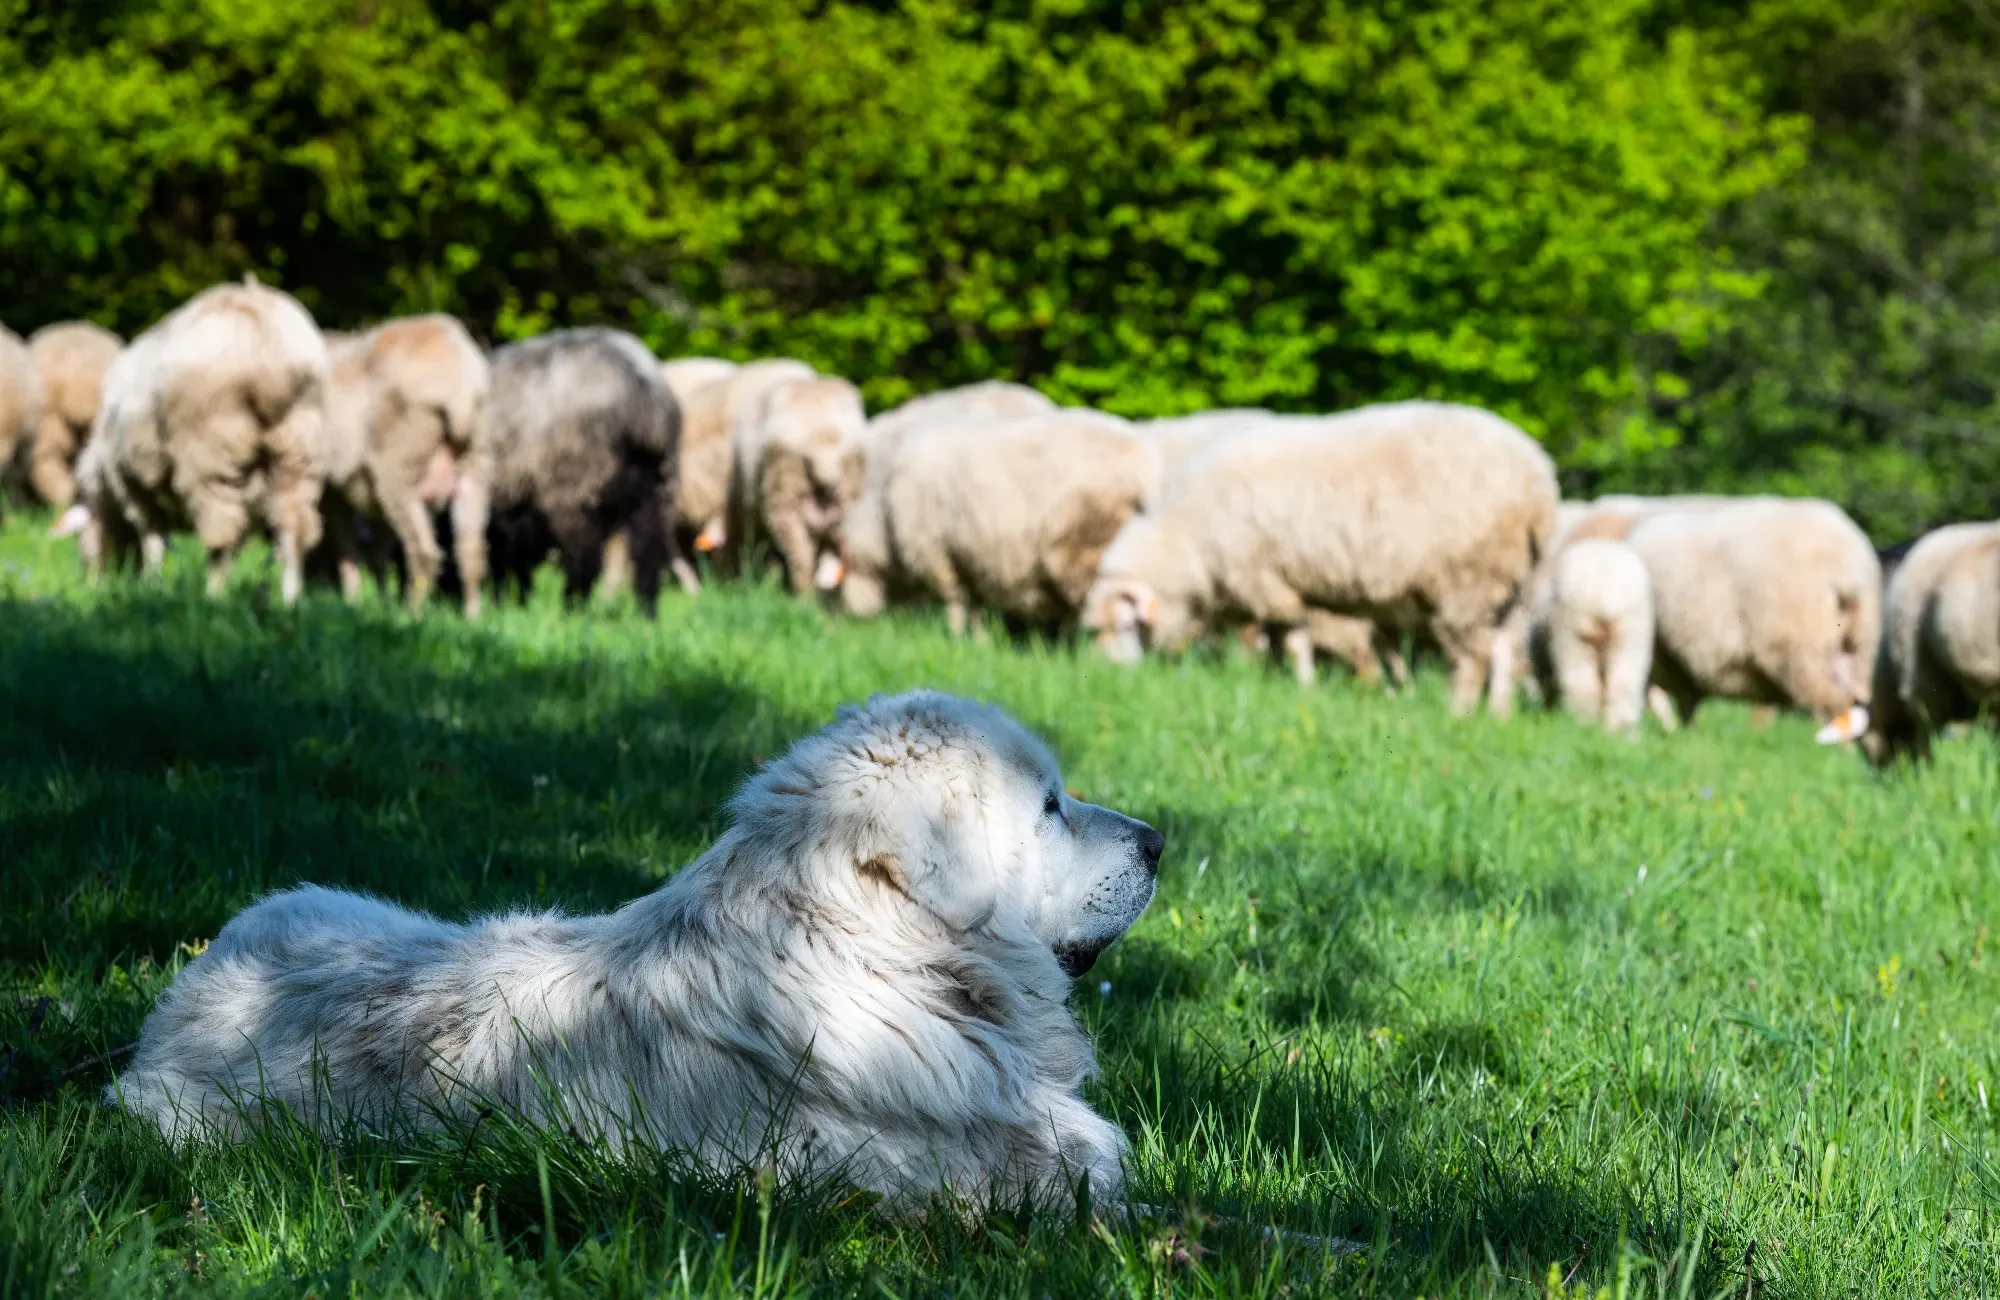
(1151, 842)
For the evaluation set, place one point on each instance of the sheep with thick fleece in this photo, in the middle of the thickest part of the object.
(799, 466)
(585, 439)
(1762, 599)
(212, 420)
(869, 575)
(1939, 661)
(1411, 514)
(20, 397)
(1591, 638)
(1015, 518)
(70, 360)
(405, 434)
(712, 414)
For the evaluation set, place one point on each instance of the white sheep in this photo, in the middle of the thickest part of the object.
(211, 420)
(1591, 644)
(1939, 660)
(405, 434)
(71, 358)
(1412, 514)
(1763, 599)
(1014, 518)
(869, 576)
(799, 466)
(712, 414)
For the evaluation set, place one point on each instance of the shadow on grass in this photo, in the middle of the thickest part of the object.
(165, 759)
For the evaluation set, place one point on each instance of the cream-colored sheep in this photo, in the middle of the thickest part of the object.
(710, 417)
(686, 375)
(1412, 514)
(20, 397)
(1762, 599)
(1015, 518)
(869, 576)
(404, 436)
(70, 360)
(799, 465)
(1356, 642)
(1939, 660)
(211, 420)
(1591, 644)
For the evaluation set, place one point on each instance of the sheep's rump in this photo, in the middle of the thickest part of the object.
(1592, 640)
(213, 420)
(585, 441)
(1762, 599)
(1014, 514)
(1939, 660)
(406, 435)
(70, 360)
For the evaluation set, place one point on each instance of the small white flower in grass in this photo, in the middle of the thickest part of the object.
(1104, 988)
(1642, 873)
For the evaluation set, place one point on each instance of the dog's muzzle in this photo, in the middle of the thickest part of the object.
(1077, 958)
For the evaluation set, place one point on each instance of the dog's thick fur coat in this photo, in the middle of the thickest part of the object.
(864, 978)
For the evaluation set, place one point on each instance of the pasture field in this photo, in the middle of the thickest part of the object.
(1520, 1009)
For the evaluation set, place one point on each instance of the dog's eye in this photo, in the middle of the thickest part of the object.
(1052, 806)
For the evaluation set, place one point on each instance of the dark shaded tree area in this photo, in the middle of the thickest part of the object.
(1684, 244)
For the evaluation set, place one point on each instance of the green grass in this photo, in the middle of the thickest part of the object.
(1707, 1014)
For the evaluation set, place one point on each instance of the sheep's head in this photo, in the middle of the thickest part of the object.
(1124, 615)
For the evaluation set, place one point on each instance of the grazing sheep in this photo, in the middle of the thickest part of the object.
(584, 436)
(1939, 660)
(1591, 643)
(1412, 514)
(1762, 599)
(799, 465)
(713, 413)
(211, 420)
(70, 360)
(870, 577)
(1015, 518)
(20, 397)
(404, 436)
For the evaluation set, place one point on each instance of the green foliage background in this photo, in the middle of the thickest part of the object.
(1683, 243)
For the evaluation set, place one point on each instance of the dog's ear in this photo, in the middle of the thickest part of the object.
(930, 846)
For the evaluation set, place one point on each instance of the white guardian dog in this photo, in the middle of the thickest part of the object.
(864, 979)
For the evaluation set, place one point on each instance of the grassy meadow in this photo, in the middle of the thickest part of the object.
(1520, 1009)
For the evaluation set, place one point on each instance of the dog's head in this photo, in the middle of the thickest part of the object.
(929, 802)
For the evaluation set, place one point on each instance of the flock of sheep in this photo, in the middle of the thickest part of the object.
(1340, 535)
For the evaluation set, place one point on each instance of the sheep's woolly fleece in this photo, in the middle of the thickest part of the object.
(863, 979)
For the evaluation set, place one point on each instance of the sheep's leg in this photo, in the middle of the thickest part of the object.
(1391, 651)
(221, 561)
(1299, 651)
(410, 519)
(152, 553)
(50, 457)
(1579, 675)
(794, 541)
(1468, 648)
(956, 616)
(580, 541)
(1661, 706)
(339, 520)
(684, 574)
(617, 575)
(469, 510)
(649, 543)
(293, 446)
(1627, 663)
(1348, 639)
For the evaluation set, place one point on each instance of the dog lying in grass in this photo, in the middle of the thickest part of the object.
(865, 978)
